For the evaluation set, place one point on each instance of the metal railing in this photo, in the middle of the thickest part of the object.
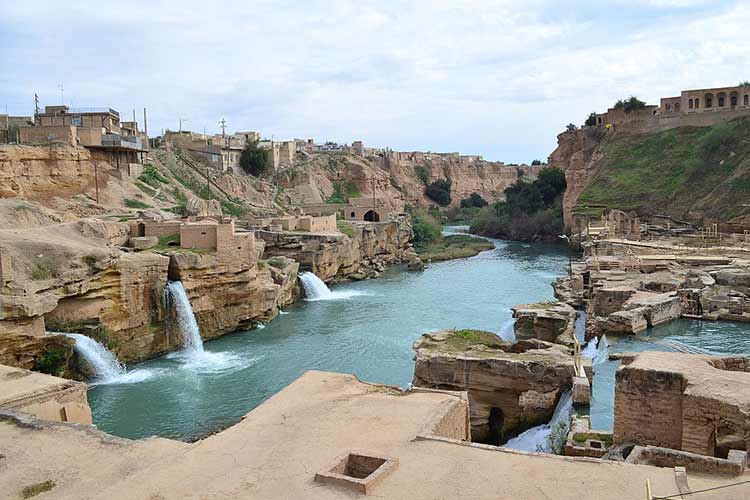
(81, 111)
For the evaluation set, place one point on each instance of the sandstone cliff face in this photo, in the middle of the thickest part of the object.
(365, 254)
(511, 387)
(395, 182)
(229, 293)
(577, 156)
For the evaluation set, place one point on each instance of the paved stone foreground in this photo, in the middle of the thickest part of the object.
(276, 450)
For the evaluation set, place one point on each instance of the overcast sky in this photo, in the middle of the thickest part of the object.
(500, 79)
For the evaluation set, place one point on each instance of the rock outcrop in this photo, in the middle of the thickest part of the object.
(548, 321)
(511, 386)
(365, 254)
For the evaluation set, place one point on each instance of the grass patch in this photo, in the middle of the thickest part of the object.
(262, 264)
(342, 191)
(233, 209)
(277, 262)
(687, 172)
(131, 203)
(37, 489)
(146, 189)
(345, 228)
(463, 339)
(43, 269)
(152, 177)
(455, 246)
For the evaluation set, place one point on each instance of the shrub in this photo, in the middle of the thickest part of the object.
(474, 200)
(439, 192)
(536, 163)
(277, 262)
(570, 127)
(52, 361)
(591, 120)
(234, 209)
(423, 173)
(426, 228)
(254, 160)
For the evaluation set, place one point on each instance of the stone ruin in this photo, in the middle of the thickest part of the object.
(694, 404)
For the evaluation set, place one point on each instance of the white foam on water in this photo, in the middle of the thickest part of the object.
(537, 438)
(316, 290)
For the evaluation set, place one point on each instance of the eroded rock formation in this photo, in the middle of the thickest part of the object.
(511, 386)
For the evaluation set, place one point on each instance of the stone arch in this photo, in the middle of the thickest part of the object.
(690, 104)
(495, 422)
(372, 216)
(747, 100)
(676, 107)
(697, 103)
(353, 215)
(733, 99)
(721, 99)
(709, 100)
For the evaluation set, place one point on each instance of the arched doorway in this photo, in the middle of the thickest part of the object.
(372, 216)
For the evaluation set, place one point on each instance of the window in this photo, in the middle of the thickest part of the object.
(747, 100)
(75, 120)
(722, 100)
(690, 104)
(733, 99)
(697, 103)
(709, 101)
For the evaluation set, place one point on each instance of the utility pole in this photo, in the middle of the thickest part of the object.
(145, 125)
(181, 121)
(36, 106)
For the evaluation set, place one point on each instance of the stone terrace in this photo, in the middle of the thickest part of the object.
(276, 451)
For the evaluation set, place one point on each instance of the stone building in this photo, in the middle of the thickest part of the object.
(699, 108)
(697, 404)
(194, 233)
(94, 128)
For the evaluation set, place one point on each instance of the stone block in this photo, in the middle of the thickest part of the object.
(581, 391)
(143, 242)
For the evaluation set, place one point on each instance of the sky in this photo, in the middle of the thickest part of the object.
(495, 78)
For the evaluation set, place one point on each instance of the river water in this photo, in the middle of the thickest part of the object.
(367, 329)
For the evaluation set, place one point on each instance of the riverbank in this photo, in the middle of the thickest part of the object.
(367, 329)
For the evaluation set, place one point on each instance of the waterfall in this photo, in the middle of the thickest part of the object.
(105, 364)
(537, 438)
(176, 297)
(314, 287)
(602, 351)
(508, 330)
(590, 351)
(580, 325)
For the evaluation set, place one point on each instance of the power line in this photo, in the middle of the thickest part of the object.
(680, 495)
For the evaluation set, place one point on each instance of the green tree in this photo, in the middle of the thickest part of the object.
(439, 192)
(630, 104)
(591, 120)
(570, 127)
(474, 200)
(254, 160)
(745, 84)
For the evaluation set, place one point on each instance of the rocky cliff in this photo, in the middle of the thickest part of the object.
(396, 182)
(364, 253)
(698, 174)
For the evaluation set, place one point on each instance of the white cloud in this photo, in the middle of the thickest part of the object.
(498, 78)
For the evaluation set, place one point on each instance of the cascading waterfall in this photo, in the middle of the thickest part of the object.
(176, 297)
(602, 351)
(314, 287)
(580, 326)
(590, 351)
(537, 438)
(105, 364)
(508, 330)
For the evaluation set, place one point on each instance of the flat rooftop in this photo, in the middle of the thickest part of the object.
(19, 387)
(276, 450)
